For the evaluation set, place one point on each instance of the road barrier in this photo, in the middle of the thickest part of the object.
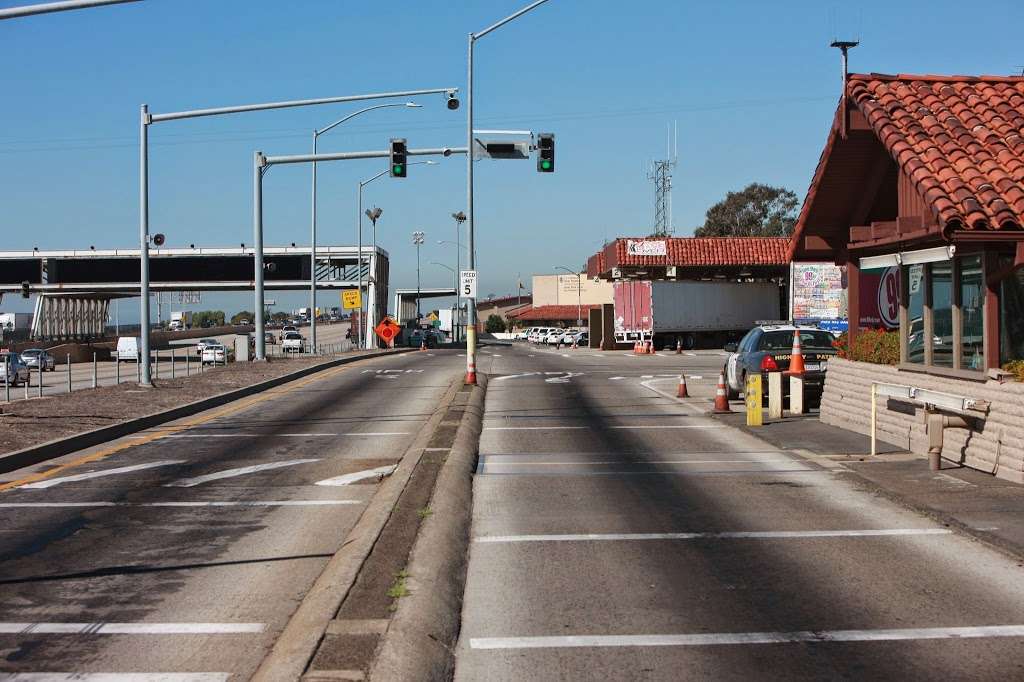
(69, 372)
(752, 397)
(775, 395)
(95, 379)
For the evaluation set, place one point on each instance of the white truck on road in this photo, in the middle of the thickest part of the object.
(181, 320)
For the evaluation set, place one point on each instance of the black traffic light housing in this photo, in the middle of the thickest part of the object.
(399, 164)
(26, 289)
(546, 152)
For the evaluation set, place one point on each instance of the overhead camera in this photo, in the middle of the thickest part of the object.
(446, 151)
(453, 101)
(159, 239)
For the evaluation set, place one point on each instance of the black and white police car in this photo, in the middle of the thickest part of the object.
(768, 348)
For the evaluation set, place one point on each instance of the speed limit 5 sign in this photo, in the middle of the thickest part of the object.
(467, 283)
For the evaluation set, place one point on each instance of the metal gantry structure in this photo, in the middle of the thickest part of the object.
(661, 174)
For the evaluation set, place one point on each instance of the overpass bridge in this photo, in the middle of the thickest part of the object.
(75, 287)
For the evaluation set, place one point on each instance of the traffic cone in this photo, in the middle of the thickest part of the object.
(796, 361)
(636, 347)
(679, 347)
(650, 348)
(721, 397)
(423, 345)
(682, 392)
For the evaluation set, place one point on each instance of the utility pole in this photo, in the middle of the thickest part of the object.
(417, 239)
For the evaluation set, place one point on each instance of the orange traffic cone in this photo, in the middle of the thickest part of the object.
(636, 347)
(650, 348)
(679, 346)
(721, 397)
(423, 345)
(796, 361)
(682, 392)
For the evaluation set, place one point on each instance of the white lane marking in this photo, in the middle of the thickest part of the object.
(692, 355)
(243, 503)
(734, 638)
(116, 677)
(140, 628)
(692, 409)
(358, 476)
(50, 482)
(516, 376)
(232, 473)
(566, 428)
(377, 433)
(769, 535)
(615, 378)
(497, 355)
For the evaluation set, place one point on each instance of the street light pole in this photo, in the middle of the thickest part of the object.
(471, 303)
(460, 218)
(374, 215)
(455, 283)
(312, 238)
(417, 239)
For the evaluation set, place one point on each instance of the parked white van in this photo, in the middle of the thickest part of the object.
(128, 349)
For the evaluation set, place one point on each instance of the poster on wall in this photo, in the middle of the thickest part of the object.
(646, 247)
(880, 298)
(817, 292)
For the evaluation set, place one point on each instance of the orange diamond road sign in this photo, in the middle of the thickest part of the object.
(387, 329)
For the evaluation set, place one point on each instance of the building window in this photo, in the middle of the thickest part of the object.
(1011, 317)
(972, 322)
(915, 313)
(942, 314)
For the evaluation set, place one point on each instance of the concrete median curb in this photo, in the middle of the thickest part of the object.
(420, 641)
(35, 454)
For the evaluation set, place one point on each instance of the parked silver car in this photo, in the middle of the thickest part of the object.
(12, 370)
(37, 358)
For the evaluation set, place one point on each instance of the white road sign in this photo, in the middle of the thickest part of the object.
(467, 285)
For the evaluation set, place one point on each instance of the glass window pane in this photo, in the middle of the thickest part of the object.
(915, 313)
(972, 325)
(1011, 318)
(942, 314)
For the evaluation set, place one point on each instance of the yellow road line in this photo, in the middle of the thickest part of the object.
(230, 408)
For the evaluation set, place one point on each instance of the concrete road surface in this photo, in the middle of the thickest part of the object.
(621, 535)
(186, 549)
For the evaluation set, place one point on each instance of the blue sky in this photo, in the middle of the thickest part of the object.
(753, 86)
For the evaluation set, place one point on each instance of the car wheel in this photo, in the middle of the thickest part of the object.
(730, 393)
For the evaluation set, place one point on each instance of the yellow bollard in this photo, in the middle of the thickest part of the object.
(755, 413)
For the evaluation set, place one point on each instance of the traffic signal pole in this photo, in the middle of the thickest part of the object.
(263, 163)
(471, 302)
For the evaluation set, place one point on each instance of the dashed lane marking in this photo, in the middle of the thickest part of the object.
(379, 472)
(738, 535)
(232, 473)
(739, 638)
(50, 482)
(141, 628)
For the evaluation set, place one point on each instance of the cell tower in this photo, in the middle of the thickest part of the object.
(661, 174)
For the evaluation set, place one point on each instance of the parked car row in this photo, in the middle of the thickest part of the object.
(16, 368)
(554, 336)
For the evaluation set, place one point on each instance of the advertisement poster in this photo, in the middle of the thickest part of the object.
(646, 247)
(817, 292)
(880, 298)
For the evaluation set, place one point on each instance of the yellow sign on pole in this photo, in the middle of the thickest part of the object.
(350, 299)
(755, 412)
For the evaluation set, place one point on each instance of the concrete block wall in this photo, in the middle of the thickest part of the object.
(995, 445)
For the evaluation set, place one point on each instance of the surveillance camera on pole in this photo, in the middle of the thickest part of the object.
(453, 101)
(158, 239)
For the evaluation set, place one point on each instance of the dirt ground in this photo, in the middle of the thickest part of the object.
(30, 422)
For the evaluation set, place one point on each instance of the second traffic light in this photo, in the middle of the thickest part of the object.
(399, 165)
(546, 152)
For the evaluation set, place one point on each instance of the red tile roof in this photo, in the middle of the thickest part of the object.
(960, 139)
(525, 299)
(552, 312)
(702, 251)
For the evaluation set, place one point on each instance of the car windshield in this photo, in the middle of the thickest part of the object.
(209, 342)
(809, 339)
(32, 351)
(291, 336)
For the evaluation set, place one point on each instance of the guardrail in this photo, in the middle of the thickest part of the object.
(937, 406)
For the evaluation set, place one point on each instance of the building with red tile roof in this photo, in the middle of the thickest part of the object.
(925, 175)
(551, 315)
(690, 258)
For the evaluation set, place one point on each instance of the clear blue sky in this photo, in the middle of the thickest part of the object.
(753, 86)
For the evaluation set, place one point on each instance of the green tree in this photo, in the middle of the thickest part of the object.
(494, 324)
(241, 315)
(279, 316)
(214, 317)
(755, 211)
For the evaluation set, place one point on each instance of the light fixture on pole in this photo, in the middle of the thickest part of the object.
(455, 285)
(374, 215)
(471, 304)
(372, 305)
(312, 238)
(579, 292)
(418, 239)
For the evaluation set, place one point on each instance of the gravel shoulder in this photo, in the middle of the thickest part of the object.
(31, 422)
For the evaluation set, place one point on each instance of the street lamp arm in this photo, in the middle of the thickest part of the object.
(361, 111)
(46, 8)
(447, 267)
(481, 34)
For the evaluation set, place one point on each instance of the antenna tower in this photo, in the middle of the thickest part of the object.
(661, 174)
